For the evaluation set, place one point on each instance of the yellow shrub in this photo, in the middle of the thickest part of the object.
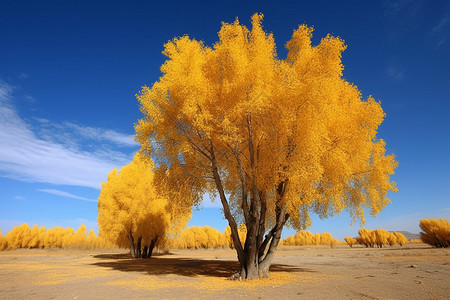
(401, 238)
(302, 238)
(436, 232)
(24, 237)
(350, 241)
(3, 242)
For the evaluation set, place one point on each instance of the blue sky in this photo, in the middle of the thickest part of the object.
(69, 72)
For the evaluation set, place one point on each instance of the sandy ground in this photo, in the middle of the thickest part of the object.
(317, 272)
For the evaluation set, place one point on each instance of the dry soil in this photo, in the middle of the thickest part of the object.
(310, 272)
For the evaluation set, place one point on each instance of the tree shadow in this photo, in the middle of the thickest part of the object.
(189, 267)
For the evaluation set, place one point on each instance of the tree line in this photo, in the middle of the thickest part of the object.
(434, 232)
(58, 237)
(378, 237)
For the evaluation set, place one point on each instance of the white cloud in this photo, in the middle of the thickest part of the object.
(440, 31)
(102, 134)
(395, 73)
(64, 194)
(23, 75)
(30, 99)
(442, 23)
(5, 92)
(28, 156)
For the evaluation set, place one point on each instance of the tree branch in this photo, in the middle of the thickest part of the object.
(226, 207)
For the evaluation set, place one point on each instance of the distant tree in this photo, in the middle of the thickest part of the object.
(401, 238)
(391, 239)
(303, 237)
(37, 237)
(435, 232)
(3, 242)
(78, 239)
(381, 237)
(350, 241)
(19, 237)
(133, 213)
(366, 237)
(199, 237)
(415, 241)
(274, 138)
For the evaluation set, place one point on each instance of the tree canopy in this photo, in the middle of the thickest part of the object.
(131, 210)
(274, 138)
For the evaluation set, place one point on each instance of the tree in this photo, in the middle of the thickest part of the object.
(3, 242)
(19, 237)
(274, 139)
(37, 237)
(381, 237)
(350, 241)
(131, 211)
(435, 232)
(401, 238)
(302, 238)
(391, 239)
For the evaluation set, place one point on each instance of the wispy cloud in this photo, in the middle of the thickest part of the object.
(442, 23)
(441, 29)
(30, 99)
(409, 8)
(58, 156)
(403, 17)
(100, 134)
(5, 92)
(395, 73)
(23, 75)
(64, 194)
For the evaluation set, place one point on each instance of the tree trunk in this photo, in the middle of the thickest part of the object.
(132, 248)
(145, 252)
(138, 247)
(257, 254)
(152, 246)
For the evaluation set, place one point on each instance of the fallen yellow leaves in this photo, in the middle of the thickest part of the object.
(203, 283)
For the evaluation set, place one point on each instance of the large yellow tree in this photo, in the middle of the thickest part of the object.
(133, 213)
(273, 138)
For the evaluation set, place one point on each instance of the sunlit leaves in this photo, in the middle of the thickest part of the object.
(38, 237)
(304, 238)
(435, 232)
(309, 124)
(129, 202)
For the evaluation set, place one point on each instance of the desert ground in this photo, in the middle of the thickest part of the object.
(308, 272)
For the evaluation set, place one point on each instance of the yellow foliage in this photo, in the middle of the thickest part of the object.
(415, 241)
(391, 239)
(3, 242)
(196, 237)
(37, 237)
(380, 237)
(281, 137)
(401, 238)
(304, 238)
(350, 241)
(435, 232)
(319, 127)
(130, 204)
